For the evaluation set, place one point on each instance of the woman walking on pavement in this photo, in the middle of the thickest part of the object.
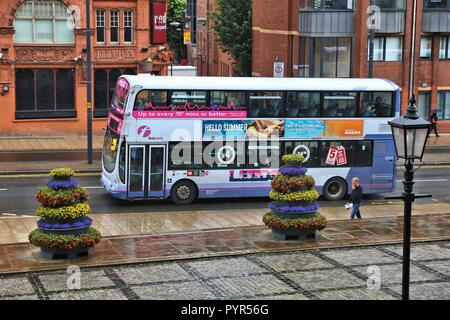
(355, 198)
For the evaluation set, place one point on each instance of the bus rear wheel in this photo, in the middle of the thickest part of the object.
(335, 189)
(183, 192)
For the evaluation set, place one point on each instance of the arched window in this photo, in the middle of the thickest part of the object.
(43, 22)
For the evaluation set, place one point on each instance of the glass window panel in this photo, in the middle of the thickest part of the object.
(24, 90)
(264, 104)
(442, 48)
(443, 105)
(61, 11)
(109, 154)
(45, 90)
(376, 104)
(136, 169)
(363, 154)
(436, 4)
(302, 104)
(423, 104)
(425, 47)
(100, 90)
(339, 104)
(389, 4)
(23, 31)
(122, 157)
(448, 49)
(188, 99)
(304, 148)
(25, 10)
(43, 10)
(325, 147)
(378, 49)
(150, 100)
(156, 168)
(64, 34)
(65, 89)
(393, 48)
(114, 26)
(114, 74)
(329, 56)
(44, 31)
(344, 57)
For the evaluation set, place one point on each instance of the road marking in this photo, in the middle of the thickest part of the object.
(427, 180)
(43, 175)
(100, 187)
(3, 189)
(8, 214)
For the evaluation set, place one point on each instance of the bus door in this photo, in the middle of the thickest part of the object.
(146, 171)
(156, 170)
(136, 171)
(383, 168)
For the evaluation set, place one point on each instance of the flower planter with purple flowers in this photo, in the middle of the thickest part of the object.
(65, 226)
(297, 219)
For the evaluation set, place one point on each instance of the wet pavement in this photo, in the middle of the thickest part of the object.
(224, 242)
(370, 273)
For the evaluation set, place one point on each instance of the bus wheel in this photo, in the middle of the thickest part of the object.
(335, 189)
(183, 192)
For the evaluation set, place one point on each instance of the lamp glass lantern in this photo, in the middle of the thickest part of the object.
(410, 134)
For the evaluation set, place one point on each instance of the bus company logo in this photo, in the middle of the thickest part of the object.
(144, 131)
(352, 132)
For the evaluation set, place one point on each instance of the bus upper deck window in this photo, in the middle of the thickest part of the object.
(376, 104)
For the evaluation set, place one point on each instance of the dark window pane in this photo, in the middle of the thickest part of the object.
(309, 149)
(65, 89)
(265, 104)
(100, 90)
(302, 104)
(376, 104)
(344, 148)
(339, 104)
(157, 169)
(114, 34)
(100, 34)
(127, 35)
(45, 90)
(122, 157)
(24, 90)
(363, 154)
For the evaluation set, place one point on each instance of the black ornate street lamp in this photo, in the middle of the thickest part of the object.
(410, 137)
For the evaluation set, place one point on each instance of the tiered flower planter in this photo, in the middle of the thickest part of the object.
(293, 212)
(64, 230)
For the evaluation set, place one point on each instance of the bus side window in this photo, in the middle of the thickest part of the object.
(363, 154)
(122, 162)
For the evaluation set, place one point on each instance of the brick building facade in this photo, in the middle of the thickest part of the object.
(329, 38)
(204, 51)
(43, 59)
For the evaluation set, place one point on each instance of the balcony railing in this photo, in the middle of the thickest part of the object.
(326, 23)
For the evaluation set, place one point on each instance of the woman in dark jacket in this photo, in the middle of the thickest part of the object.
(355, 198)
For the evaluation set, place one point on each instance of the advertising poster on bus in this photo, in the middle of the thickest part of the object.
(306, 129)
(242, 129)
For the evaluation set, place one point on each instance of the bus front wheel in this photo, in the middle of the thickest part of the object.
(183, 192)
(335, 189)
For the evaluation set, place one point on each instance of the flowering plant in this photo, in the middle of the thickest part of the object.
(61, 197)
(292, 171)
(294, 196)
(58, 184)
(318, 222)
(86, 222)
(287, 184)
(67, 212)
(62, 173)
(66, 242)
(297, 209)
(293, 158)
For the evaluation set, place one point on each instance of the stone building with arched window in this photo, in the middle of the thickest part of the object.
(43, 60)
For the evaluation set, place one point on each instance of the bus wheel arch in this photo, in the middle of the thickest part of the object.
(335, 189)
(184, 191)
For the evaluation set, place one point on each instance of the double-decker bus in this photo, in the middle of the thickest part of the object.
(207, 137)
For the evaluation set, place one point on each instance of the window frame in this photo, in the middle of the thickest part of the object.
(444, 93)
(446, 49)
(97, 26)
(111, 26)
(53, 18)
(431, 49)
(131, 27)
(384, 38)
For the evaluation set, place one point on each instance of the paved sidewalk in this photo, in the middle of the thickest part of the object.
(336, 274)
(227, 242)
(16, 229)
(48, 143)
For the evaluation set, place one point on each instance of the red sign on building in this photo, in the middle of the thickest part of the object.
(158, 22)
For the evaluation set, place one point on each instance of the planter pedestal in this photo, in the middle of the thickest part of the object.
(293, 234)
(57, 254)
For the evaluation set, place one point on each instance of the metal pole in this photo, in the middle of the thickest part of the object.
(408, 198)
(371, 41)
(413, 48)
(89, 80)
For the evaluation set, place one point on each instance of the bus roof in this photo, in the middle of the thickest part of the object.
(148, 81)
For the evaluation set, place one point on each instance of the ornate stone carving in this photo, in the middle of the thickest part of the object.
(6, 30)
(115, 54)
(36, 54)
